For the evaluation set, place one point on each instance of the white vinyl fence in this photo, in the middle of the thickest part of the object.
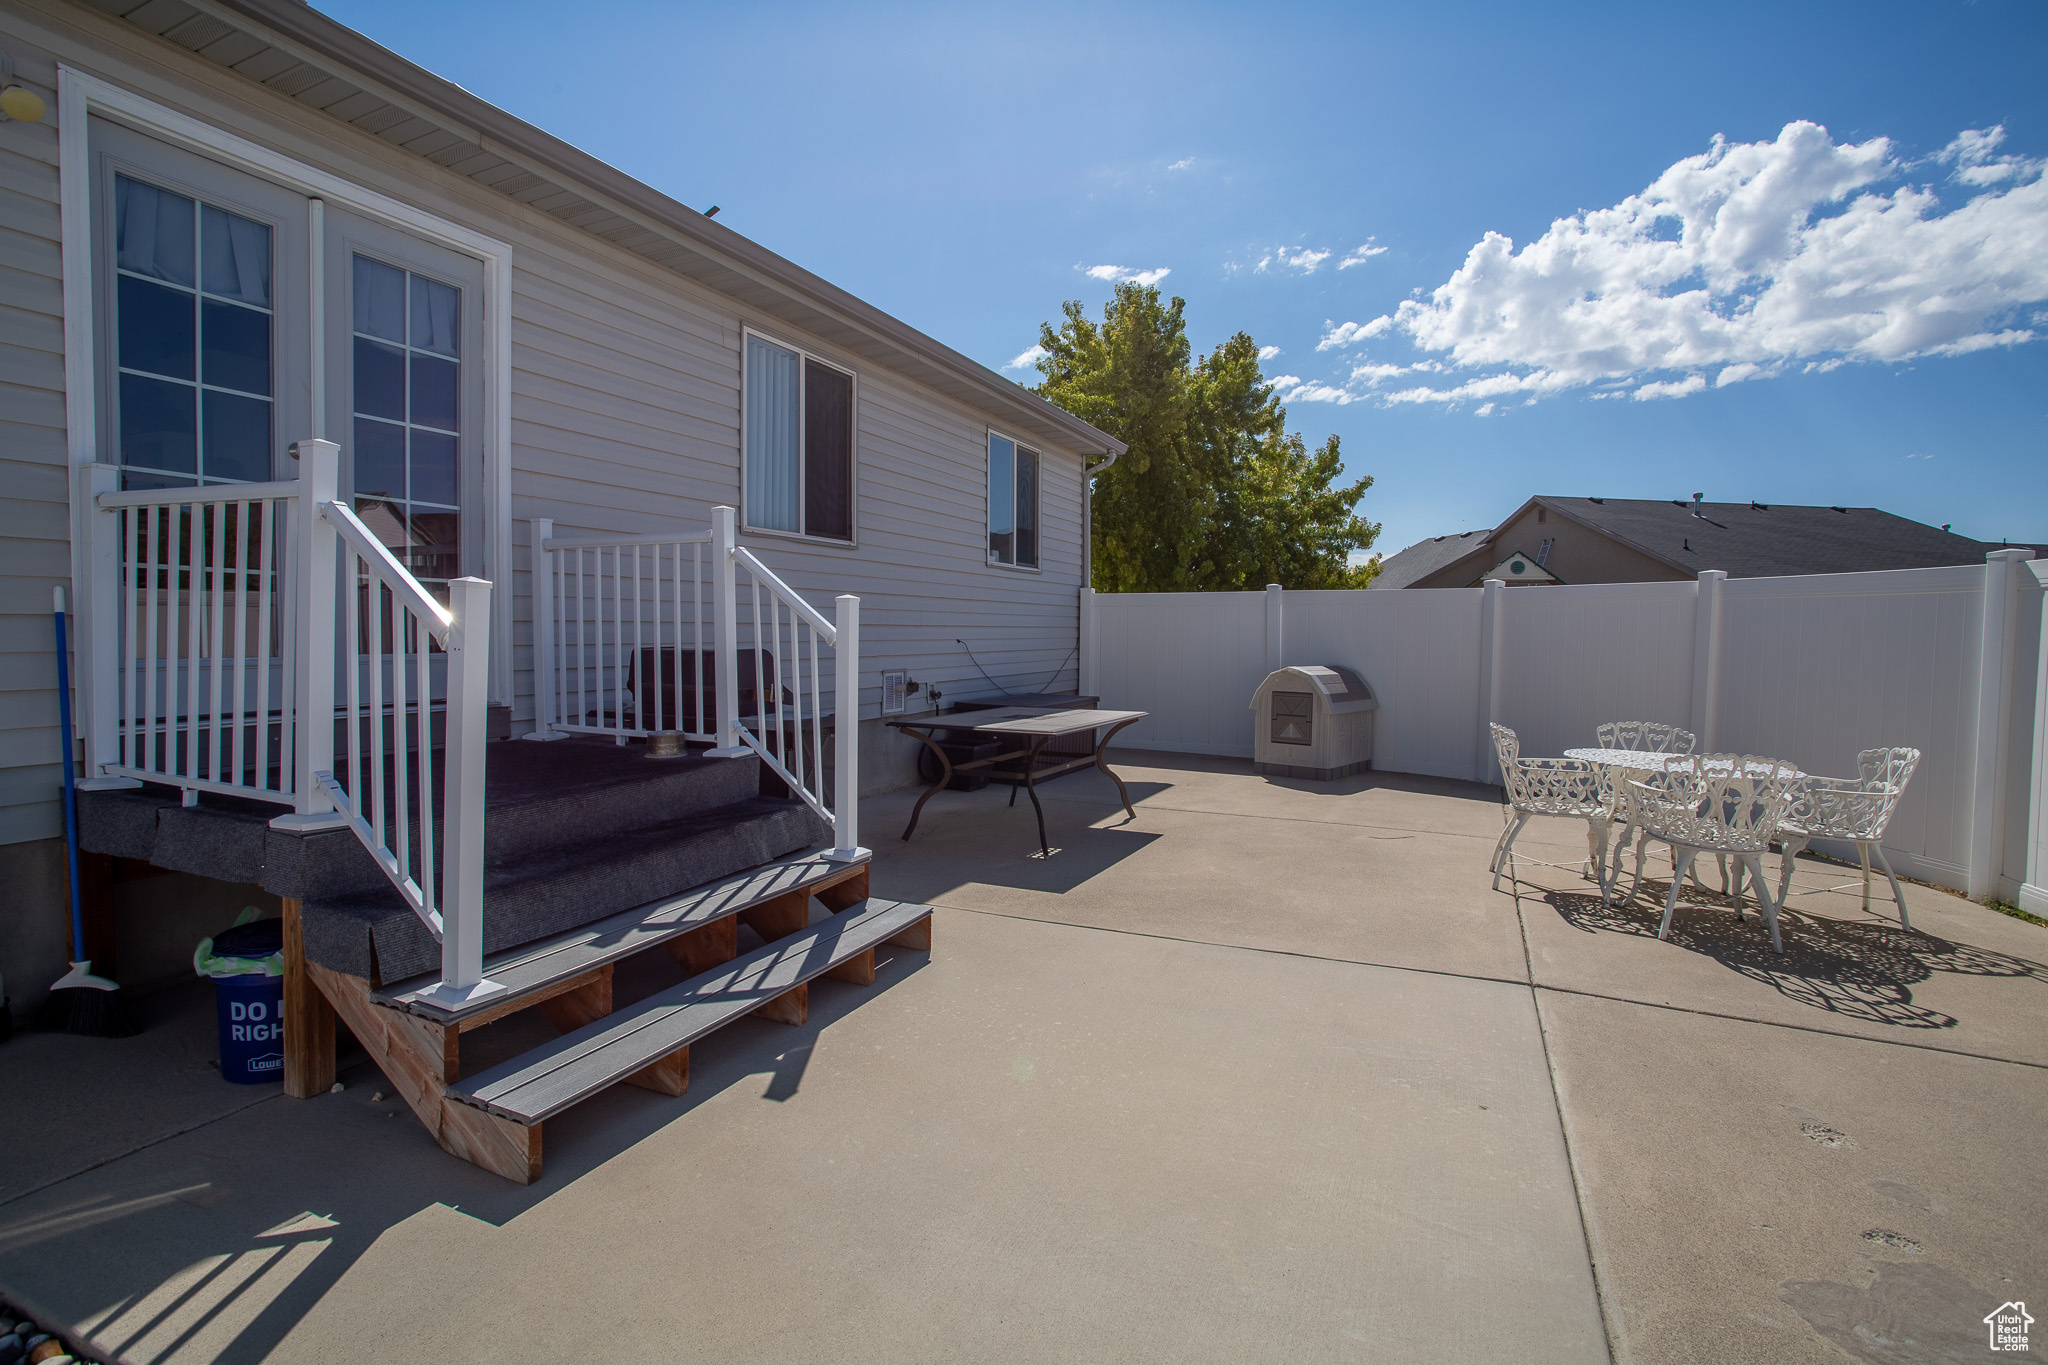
(1810, 669)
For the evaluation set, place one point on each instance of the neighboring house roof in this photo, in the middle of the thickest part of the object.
(1745, 539)
(294, 50)
(1425, 557)
(1766, 540)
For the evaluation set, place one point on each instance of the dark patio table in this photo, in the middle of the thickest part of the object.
(1031, 730)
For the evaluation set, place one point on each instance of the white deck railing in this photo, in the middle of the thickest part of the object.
(629, 638)
(621, 624)
(220, 621)
(200, 679)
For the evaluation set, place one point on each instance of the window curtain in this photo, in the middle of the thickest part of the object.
(379, 293)
(236, 257)
(153, 231)
(774, 384)
(436, 316)
(1002, 492)
(1027, 506)
(828, 452)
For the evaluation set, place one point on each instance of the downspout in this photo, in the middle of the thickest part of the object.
(1088, 473)
(1084, 643)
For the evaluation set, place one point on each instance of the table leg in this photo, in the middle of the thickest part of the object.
(945, 776)
(1103, 748)
(1031, 790)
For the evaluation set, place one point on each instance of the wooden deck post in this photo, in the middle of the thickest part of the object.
(308, 1018)
(781, 917)
(702, 949)
(858, 969)
(918, 936)
(843, 895)
(791, 1007)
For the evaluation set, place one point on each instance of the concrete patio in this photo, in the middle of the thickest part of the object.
(1268, 1073)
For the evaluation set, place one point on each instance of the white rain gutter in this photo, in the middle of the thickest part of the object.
(1088, 473)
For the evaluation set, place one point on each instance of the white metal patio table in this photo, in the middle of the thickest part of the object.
(1616, 765)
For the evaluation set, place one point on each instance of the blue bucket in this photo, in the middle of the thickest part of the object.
(251, 1006)
(251, 1012)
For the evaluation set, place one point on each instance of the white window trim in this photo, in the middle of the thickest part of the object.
(852, 542)
(79, 95)
(1039, 450)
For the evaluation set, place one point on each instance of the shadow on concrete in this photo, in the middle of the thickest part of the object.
(218, 1241)
(1417, 783)
(1354, 785)
(1856, 969)
(972, 849)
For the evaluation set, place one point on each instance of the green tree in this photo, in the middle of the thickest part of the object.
(1214, 493)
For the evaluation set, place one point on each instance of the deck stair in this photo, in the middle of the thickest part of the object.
(494, 1118)
(659, 1029)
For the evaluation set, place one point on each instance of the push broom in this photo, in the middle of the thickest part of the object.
(79, 1001)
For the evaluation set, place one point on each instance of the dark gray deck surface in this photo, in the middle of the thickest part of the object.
(549, 1079)
(535, 966)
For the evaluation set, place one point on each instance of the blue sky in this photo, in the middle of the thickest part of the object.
(1830, 338)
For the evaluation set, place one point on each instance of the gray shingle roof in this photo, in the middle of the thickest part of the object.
(1757, 540)
(1425, 557)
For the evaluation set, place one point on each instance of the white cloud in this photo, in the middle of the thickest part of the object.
(1118, 274)
(1293, 389)
(1268, 352)
(1302, 258)
(1671, 388)
(1372, 376)
(1340, 334)
(1361, 255)
(1027, 358)
(1747, 259)
(1182, 164)
(1974, 155)
(1484, 409)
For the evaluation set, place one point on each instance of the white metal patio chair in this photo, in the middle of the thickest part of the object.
(1724, 804)
(1568, 787)
(1646, 736)
(1853, 810)
(1641, 736)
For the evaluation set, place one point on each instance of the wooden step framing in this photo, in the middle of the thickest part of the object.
(569, 979)
(543, 1082)
(772, 895)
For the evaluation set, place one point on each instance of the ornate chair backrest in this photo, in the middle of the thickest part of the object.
(1507, 748)
(1732, 802)
(1646, 736)
(1859, 808)
(1888, 767)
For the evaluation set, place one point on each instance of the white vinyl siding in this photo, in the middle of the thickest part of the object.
(35, 551)
(626, 407)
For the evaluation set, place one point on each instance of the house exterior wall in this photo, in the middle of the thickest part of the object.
(1581, 554)
(625, 417)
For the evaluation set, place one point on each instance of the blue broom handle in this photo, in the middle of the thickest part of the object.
(70, 791)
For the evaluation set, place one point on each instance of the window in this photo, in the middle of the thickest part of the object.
(1012, 503)
(192, 349)
(406, 414)
(799, 443)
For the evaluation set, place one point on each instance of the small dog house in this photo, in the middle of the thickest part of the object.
(1313, 721)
